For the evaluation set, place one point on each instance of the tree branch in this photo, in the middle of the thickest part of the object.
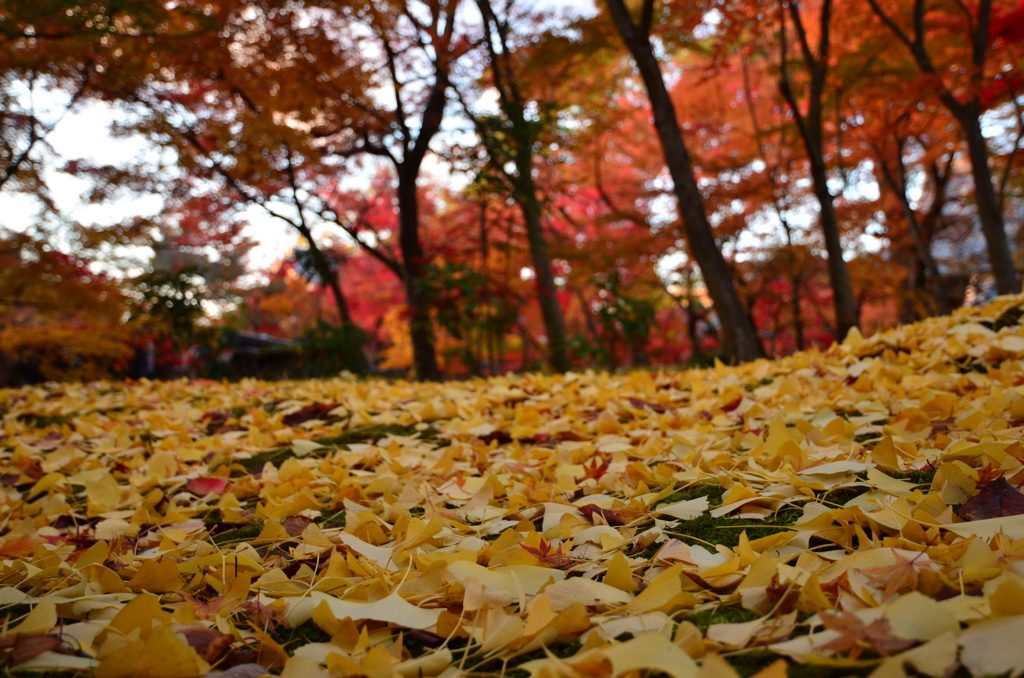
(647, 17)
(38, 132)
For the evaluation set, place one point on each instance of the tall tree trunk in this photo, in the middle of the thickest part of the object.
(554, 322)
(968, 114)
(327, 274)
(524, 188)
(810, 127)
(339, 301)
(991, 217)
(691, 319)
(898, 184)
(414, 264)
(740, 339)
(798, 321)
(838, 275)
(525, 364)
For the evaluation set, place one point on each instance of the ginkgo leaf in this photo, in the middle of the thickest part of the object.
(42, 617)
(393, 609)
(158, 575)
(664, 594)
(300, 667)
(714, 666)
(161, 655)
(993, 648)
(653, 652)
(917, 617)
(1011, 526)
(56, 661)
(431, 664)
(935, 658)
(684, 510)
(592, 593)
(619, 574)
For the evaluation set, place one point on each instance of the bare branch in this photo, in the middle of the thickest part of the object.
(38, 132)
(801, 32)
(893, 26)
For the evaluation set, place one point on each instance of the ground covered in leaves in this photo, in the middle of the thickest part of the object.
(849, 512)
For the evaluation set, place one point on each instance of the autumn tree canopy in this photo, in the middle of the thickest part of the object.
(477, 187)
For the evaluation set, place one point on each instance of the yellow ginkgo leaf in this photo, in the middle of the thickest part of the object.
(157, 575)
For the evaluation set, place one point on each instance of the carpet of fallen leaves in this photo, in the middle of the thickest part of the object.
(856, 510)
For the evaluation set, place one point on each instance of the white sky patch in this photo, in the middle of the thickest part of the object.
(84, 135)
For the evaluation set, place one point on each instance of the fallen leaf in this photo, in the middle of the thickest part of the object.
(993, 647)
(393, 609)
(856, 636)
(996, 499)
(205, 486)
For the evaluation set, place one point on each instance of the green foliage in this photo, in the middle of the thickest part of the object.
(623, 320)
(589, 350)
(172, 299)
(630, 316)
(468, 309)
(328, 350)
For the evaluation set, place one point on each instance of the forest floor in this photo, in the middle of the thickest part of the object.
(848, 512)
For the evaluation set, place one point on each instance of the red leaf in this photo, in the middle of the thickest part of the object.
(610, 517)
(596, 468)
(295, 525)
(641, 404)
(204, 486)
(266, 617)
(308, 413)
(996, 499)
(201, 638)
(30, 645)
(732, 404)
(856, 636)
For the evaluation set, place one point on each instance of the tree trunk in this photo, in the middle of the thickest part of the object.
(554, 322)
(524, 187)
(691, 319)
(991, 217)
(969, 116)
(416, 294)
(740, 339)
(329, 275)
(925, 259)
(798, 322)
(810, 128)
(414, 263)
(838, 275)
(339, 301)
(525, 364)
